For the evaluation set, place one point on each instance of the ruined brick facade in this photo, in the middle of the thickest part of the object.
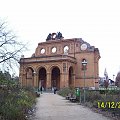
(58, 63)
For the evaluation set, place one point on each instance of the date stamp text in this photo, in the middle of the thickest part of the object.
(109, 105)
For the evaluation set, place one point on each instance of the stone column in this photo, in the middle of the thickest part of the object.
(48, 85)
(35, 80)
(24, 80)
(67, 79)
(74, 81)
(64, 80)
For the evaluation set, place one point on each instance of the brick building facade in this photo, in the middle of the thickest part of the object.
(58, 63)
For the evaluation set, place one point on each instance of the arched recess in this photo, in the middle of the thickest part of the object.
(71, 79)
(42, 78)
(55, 77)
(29, 76)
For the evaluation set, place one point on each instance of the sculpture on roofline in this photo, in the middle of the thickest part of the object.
(49, 37)
(59, 35)
(54, 36)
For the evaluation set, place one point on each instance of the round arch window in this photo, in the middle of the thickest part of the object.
(66, 48)
(54, 49)
(42, 51)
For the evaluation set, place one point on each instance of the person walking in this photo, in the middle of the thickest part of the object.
(55, 89)
(41, 89)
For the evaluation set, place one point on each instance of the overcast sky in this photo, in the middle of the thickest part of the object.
(96, 22)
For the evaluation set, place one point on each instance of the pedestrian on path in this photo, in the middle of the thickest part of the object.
(41, 89)
(55, 89)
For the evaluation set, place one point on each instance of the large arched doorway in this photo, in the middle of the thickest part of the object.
(71, 82)
(29, 77)
(42, 78)
(55, 78)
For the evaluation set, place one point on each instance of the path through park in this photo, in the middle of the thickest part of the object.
(54, 107)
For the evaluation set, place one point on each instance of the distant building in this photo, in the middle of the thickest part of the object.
(103, 79)
(58, 63)
(112, 82)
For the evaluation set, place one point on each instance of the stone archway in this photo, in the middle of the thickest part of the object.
(71, 82)
(42, 78)
(55, 77)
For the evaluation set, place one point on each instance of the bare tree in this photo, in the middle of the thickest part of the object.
(117, 82)
(10, 48)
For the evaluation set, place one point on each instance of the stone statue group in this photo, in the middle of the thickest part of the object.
(54, 36)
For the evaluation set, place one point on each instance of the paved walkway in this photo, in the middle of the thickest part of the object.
(54, 107)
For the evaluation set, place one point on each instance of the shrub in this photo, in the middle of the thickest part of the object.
(95, 96)
(92, 96)
(15, 102)
(65, 91)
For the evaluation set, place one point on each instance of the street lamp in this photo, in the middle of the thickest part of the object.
(113, 77)
(34, 78)
(84, 63)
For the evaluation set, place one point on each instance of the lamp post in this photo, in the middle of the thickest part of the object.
(84, 63)
(34, 83)
(113, 77)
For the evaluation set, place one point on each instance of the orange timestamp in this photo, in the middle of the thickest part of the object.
(109, 105)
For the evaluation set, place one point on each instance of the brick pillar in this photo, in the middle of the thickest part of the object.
(35, 80)
(48, 85)
(24, 80)
(61, 80)
(64, 80)
(74, 81)
(21, 78)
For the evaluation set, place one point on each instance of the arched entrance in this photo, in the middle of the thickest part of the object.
(42, 78)
(29, 77)
(71, 77)
(55, 77)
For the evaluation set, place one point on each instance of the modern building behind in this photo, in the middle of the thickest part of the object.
(58, 63)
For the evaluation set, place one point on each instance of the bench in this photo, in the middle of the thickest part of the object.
(73, 98)
(68, 96)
